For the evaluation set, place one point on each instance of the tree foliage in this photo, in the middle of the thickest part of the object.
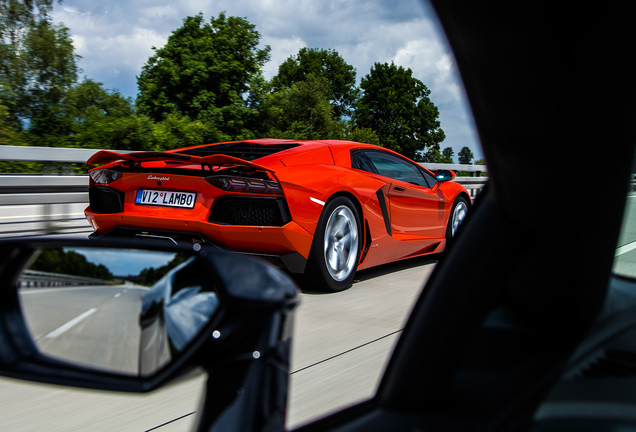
(433, 155)
(69, 262)
(179, 131)
(37, 67)
(205, 85)
(397, 106)
(151, 275)
(104, 119)
(340, 77)
(447, 155)
(465, 156)
(303, 111)
(206, 72)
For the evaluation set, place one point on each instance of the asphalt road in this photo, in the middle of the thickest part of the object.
(341, 344)
(625, 261)
(95, 326)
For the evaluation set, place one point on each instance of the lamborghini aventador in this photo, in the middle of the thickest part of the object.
(320, 209)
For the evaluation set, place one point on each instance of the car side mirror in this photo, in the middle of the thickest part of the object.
(443, 175)
(131, 316)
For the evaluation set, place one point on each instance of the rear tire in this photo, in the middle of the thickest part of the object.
(335, 251)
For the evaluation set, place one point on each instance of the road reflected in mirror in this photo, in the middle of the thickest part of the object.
(118, 310)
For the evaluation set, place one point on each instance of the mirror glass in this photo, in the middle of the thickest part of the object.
(127, 311)
(443, 175)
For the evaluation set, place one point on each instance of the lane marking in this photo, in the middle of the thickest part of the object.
(70, 324)
(171, 421)
(624, 249)
(346, 352)
(117, 295)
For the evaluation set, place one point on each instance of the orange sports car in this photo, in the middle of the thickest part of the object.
(320, 209)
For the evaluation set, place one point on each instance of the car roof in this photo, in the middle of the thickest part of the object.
(256, 149)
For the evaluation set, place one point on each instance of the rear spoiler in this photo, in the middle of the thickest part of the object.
(106, 156)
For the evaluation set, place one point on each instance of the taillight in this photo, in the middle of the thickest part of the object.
(104, 176)
(248, 185)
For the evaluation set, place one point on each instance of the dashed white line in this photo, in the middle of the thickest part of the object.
(70, 324)
(624, 249)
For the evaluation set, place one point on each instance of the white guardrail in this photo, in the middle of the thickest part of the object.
(36, 204)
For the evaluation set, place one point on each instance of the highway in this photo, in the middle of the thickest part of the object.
(341, 344)
(94, 326)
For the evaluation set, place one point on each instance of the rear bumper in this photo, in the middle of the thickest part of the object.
(285, 247)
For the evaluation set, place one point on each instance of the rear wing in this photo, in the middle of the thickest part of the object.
(106, 156)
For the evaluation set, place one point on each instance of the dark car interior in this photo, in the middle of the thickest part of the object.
(524, 282)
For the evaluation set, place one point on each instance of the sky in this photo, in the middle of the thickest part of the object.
(125, 262)
(115, 39)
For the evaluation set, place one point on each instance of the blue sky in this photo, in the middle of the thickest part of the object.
(125, 262)
(115, 39)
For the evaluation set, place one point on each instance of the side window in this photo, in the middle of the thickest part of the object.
(430, 178)
(394, 167)
(360, 160)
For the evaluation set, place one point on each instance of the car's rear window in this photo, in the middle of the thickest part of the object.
(241, 150)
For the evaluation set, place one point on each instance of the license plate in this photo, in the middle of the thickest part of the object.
(165, 198)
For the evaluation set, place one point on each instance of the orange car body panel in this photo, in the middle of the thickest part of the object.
(399, 220)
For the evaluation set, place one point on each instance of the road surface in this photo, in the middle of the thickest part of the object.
(341, 344)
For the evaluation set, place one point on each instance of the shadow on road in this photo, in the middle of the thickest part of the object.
(382, 270)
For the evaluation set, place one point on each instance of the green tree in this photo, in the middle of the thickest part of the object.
(303, 111)
(206, 72)
(447, 155)
(327, 64)
(7, 135)
(51, 72)
(363, 135)
(465, 156)
(180, 131)
(397, 107)
(69, 262)
(16, 19)
(104, 119)
(432, 155)
(37, 67)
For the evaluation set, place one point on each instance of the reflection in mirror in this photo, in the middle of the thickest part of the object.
(118, 310)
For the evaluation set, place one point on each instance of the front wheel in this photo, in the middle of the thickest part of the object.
(334, 255)
(457, 216)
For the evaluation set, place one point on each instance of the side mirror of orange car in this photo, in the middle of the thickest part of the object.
(443, 175)
(124, 316)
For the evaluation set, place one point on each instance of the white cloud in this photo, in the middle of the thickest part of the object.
(115, 39)
(282, 49)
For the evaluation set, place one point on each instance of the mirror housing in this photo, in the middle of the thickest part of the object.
(248, 321)
(444, 175)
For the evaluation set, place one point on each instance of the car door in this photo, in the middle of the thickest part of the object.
(414, 209)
